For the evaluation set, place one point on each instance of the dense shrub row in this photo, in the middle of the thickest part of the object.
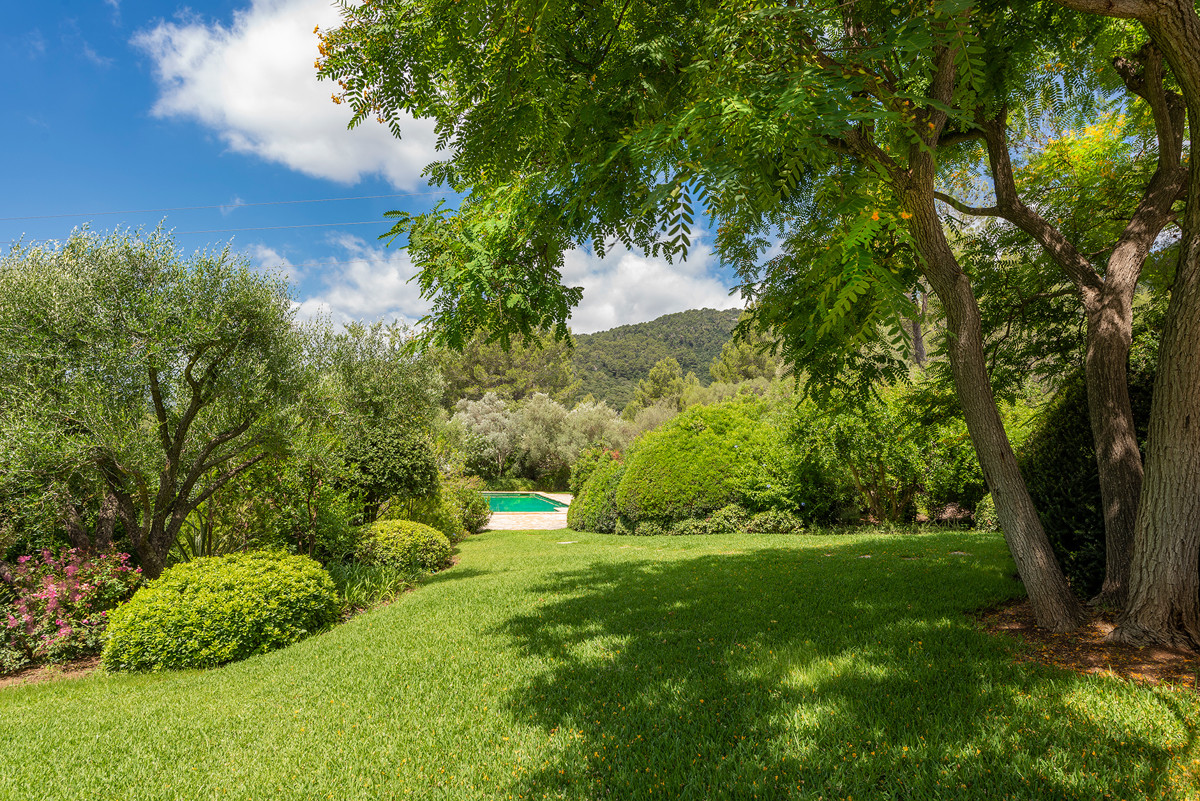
(748, 464)
(594, 508)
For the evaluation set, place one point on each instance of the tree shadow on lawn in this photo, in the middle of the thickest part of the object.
(453, 573)
(793, 673)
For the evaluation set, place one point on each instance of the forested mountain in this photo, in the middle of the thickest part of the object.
(610, 363)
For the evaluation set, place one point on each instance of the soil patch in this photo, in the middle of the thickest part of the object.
(67, 670)
(1086, 651)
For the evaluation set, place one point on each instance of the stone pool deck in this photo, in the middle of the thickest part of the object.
(526, 521)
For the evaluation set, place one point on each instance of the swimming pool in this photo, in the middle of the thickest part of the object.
(522, 502)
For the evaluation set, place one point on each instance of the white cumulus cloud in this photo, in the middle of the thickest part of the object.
(362, 282)
(254, 84)
(627, 287)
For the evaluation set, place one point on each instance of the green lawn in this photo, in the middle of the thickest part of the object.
(684, 667)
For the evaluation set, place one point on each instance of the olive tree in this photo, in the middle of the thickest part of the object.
(156, 378)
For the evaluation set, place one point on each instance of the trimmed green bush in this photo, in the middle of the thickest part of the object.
(729, 519)
(595, 507)
(690, 527)
(216, 610)
(405, 545)
(434, 511)
(775, 521)
(696, 464)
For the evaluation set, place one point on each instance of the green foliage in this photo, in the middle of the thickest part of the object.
(464, 494)
(690, 527)
(508, 484)
(217, 610)
(985, 515)
(586, 464)
(365, 586)
(138, 377)
(729, 519)
(1058, 461)
(611, 363)
(433, 511)
(405, 545)
(905, 441)
(699, 462)
(526, 367)
(664, 385)
(775, 521)
(594, 507)
(392, 464)
(746, 357)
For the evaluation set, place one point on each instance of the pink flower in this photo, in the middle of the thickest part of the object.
(23, 559)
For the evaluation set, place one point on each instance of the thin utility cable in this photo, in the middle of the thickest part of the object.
(217, 206)
(279, 227)
(258, 228)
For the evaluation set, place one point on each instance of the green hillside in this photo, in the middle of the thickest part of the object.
(610, 363)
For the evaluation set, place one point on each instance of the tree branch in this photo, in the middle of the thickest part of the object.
(1012, 208)
(958, 205)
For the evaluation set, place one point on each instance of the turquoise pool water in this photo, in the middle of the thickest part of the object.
(522, 502)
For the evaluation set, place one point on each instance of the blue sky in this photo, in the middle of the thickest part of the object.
(121, 106)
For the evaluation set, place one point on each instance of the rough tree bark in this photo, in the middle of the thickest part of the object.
(1164, 583)
(1055, 607)
(1108, 303)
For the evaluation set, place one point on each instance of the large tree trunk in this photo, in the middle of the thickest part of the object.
(1164, 592)
(1118, 457)
(1108, 304)
(1054, 605)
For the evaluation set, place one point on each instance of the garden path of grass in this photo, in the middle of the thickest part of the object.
(627, 668)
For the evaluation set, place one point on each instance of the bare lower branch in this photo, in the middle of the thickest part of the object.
(958, 205)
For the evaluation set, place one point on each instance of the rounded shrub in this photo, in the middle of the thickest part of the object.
(595, 507)
(216, 610)
(774, 521)
(696, 464)
(985, 515)
(406, 545)
(729, 519)
(436, 511)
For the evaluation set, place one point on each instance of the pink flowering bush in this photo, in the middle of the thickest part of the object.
(61, 604)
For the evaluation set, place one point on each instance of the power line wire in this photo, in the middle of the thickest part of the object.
(237, 205)
(280, 227)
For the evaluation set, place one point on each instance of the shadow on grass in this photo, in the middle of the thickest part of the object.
(795, 673)
(453, 574)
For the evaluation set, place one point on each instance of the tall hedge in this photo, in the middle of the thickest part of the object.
(702, 460)
(594, 507)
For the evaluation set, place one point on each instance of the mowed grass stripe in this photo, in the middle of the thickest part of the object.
(683, 667)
